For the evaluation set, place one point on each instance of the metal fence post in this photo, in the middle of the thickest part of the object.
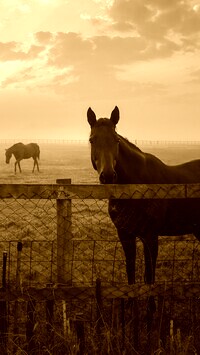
(64, 243)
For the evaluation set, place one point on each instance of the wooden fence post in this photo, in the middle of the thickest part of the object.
(64, 243)
(80, 331)
(3, 312)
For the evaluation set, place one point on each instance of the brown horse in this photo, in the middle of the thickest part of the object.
(23, 151)
(119, 161)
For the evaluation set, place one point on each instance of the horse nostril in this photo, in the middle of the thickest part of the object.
(102, 178)
(109, 178)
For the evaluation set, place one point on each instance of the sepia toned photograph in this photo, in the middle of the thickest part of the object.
(100, 177)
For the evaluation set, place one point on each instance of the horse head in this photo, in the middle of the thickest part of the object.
(8, 156)
(104, 145)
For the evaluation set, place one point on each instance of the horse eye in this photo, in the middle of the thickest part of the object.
(91, 140)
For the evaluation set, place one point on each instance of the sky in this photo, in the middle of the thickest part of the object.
(59, 57)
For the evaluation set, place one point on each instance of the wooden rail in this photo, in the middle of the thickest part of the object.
(181, 290)
(77, 191)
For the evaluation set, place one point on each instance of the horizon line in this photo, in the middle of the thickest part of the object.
(84, 141)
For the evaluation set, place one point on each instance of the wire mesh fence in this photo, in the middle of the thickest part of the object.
(96, 251)
(73, 282)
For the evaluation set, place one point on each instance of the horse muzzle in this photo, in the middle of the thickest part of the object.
(108, 178)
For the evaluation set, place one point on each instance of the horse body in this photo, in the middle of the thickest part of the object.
(23, 151)
(119, 161)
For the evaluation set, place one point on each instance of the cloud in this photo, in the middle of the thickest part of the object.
(69, 62)
(11, 51)
(130, 11)
(100, 54)
(39, 77)
(69, 48)
(21, 77)
(155, 20)
(43, 37)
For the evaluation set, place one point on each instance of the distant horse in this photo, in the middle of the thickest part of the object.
(23, 151)
(119, 161)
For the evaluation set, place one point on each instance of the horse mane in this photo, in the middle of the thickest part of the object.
(130, 144)
(133, 149)
(15, 145)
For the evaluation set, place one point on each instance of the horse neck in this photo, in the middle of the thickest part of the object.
(10, 150)
(137, 167)
(15, 150)
(130, 164)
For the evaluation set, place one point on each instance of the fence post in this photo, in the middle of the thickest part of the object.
(49, 325)
(30, 325)
(80, 331)
(3, 311)
(17, 310)
(99, 313)
(18, 271)
(64, 243)
(123, 324)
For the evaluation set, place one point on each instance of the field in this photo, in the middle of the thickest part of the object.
(56, 161)
(97, 252)
(73, 161)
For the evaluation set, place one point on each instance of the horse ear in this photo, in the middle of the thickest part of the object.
(115, 115)
(91, 117)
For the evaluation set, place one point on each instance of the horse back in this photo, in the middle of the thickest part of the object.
(32, 150)
(156, 172)
(188, 172)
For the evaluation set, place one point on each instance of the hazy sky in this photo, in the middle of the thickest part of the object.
(58, 57)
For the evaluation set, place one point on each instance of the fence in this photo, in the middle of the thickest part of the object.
(64, 286)
(140, 142)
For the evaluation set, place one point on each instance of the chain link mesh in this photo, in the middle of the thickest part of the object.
(94, 252)
(96, 249)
